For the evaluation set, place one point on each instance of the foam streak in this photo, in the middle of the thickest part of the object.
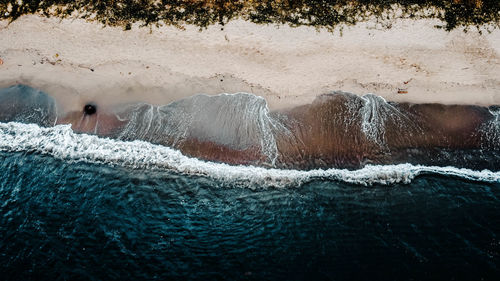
(61, 142)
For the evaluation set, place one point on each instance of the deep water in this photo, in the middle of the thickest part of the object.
(67, 220)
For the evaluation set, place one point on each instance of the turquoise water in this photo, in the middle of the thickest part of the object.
(70, 219)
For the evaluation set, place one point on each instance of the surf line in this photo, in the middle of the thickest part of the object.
(62, 143)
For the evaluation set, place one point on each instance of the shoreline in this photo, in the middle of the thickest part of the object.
(78, 61)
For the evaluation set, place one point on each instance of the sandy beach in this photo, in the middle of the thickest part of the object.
(79, 61)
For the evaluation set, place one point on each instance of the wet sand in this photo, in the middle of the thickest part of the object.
(79, 61)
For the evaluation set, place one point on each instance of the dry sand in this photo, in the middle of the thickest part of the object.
(78, 61)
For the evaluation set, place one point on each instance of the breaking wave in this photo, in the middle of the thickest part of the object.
(61, 142)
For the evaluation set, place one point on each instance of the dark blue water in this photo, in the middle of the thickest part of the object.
(69, 221)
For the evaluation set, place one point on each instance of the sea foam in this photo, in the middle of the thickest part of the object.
(61, 142)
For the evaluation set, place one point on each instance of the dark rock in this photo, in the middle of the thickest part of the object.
(89, 109)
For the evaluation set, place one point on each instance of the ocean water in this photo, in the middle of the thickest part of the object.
(222, 188)
(68, 219)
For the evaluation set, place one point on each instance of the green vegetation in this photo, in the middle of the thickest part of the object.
(318, 13)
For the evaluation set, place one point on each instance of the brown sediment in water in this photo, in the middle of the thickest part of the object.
(102, 123)
(337, 130)
(215, 152)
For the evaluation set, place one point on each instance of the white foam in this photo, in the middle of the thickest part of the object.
(375, 112)
(61, 142)
(491, 129)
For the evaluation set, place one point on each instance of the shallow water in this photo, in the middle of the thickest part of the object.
(337, 130)
(61, 219)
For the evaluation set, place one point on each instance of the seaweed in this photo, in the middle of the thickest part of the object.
(318, 13)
